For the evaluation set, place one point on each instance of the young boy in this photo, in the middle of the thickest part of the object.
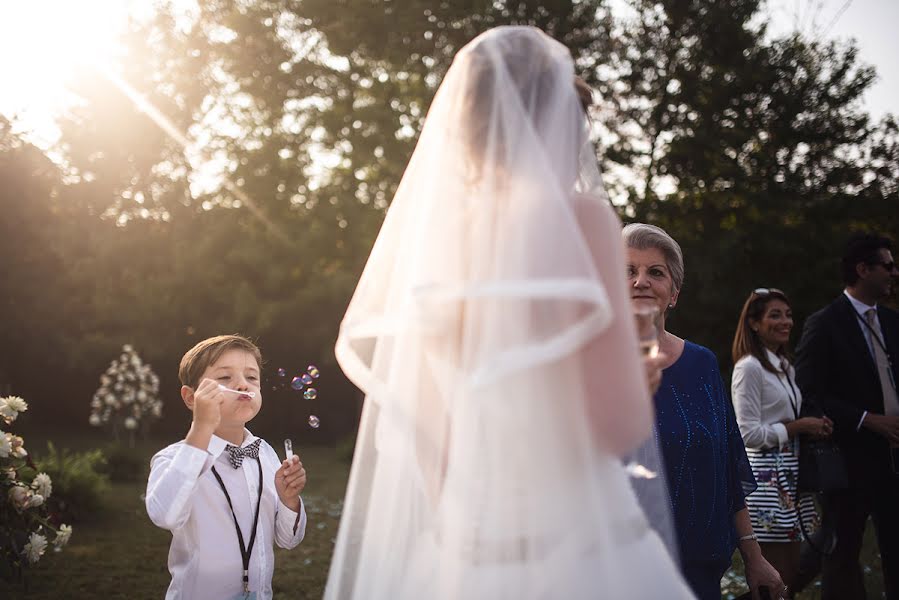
(222, 492)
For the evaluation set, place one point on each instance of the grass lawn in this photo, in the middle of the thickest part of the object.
(120, 554)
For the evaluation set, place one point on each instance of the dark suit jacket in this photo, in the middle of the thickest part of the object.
(835, 371)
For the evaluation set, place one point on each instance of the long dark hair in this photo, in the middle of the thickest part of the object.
(747, 341)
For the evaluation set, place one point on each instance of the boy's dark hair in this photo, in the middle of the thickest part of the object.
(196, 360)
(862, 247)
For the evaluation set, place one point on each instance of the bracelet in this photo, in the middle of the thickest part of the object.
(749, 537)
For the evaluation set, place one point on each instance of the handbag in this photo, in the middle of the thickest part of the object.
(822, 467)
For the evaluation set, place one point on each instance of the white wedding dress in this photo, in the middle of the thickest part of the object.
(492, 335)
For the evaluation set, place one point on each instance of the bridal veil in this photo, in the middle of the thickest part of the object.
(492, 336)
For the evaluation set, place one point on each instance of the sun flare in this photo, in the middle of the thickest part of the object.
(43, 45)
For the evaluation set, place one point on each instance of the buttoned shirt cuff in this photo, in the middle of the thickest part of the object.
(860, 421)
(781, 430)
(291, 520)
(189, 461)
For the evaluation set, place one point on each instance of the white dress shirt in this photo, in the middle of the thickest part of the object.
(762, 401)
(184, 497)
(861, 308)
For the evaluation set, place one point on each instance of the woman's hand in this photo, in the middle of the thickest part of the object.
(814, 427)
(818, 428)
(760, 573)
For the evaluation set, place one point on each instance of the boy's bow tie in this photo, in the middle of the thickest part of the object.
(237, 454)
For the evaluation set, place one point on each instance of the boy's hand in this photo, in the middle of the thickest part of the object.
(290, 480)
(208, 401)
(206, 404)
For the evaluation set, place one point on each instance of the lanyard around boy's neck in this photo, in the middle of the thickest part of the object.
(245, 550)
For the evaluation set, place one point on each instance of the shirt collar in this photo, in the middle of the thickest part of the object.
(217, 445)
(774, 359)
(859, 306)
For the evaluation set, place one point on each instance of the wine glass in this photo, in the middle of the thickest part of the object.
(646, 317)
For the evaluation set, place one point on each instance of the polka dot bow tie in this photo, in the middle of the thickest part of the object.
(236, 454)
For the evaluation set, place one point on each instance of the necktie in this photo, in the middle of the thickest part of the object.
(890, 398)
(237, 454)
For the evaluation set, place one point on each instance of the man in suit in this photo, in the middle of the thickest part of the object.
(847, 365)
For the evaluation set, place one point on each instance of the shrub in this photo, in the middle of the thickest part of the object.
(27, 525)
(79, 482)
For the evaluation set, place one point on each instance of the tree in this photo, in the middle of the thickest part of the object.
(756, 155)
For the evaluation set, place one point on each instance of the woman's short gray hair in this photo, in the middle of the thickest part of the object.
(642, 236)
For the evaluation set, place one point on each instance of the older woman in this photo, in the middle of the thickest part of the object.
(768, 403)
(705, 461)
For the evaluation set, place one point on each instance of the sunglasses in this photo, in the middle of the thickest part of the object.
(889, 266)
(767, 291)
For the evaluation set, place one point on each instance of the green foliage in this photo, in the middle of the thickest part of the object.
(79, 484)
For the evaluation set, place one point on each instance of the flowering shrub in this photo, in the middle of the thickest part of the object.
(26, 531)
(128, 396)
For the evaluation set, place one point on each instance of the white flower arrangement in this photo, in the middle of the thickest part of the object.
(128, 396)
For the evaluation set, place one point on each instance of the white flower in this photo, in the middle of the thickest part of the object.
(109, 399)
(7, 412)
(130, 423)
(18, 497)
(128, 348)
(5, 445)
(35, 501)
(10, 472)
(10, 407)
(17, 446)
(42, 485)
(62, 536)
(95, 420)
(35, 547)
(16, 403)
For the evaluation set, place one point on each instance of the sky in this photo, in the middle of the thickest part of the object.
(42, 42)
(872, 23)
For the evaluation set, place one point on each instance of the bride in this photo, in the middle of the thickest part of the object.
(492, 335)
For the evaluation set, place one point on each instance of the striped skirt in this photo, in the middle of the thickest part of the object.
(772, 506)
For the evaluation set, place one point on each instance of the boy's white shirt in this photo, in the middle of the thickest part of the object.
(184, 497)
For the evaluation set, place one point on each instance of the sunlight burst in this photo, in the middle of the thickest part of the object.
(44, 44)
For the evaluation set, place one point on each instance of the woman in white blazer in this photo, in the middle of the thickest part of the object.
(767, 403)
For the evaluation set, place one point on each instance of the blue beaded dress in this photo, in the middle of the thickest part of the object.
(708, 473)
